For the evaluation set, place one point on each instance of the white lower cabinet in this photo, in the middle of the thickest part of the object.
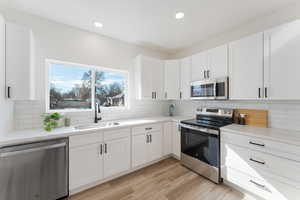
(86, 165)
(176, 140)
(155, 145)
(146, 144)
(98, 155)
(167, 138)
(116, 157)
(267, 174)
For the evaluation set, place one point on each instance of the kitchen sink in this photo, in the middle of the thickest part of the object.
(99, 125)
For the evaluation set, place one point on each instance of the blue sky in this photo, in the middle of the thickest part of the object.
(65, 76)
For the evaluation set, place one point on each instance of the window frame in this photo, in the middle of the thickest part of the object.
(93, 69)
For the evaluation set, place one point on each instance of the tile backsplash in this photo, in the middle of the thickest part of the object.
(28, 114)
(282, 114)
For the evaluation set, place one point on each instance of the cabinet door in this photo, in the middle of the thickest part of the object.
(116, 156)
(176, 140)
(199, 65)
(172, 79)
(139, 150)
(86, 165)
(158, 79)
(144, 77)
(185, 80)
(167, 138)
(155, 145)
(218, 62)
(246, 67)
(19, 62)
(282, 60)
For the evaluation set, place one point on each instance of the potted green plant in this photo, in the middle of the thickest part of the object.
(51, 121)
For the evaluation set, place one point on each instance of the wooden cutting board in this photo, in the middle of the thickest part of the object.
(257, 118)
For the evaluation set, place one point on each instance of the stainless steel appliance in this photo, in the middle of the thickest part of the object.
(210, 89)
(200, 141)
(35, 171)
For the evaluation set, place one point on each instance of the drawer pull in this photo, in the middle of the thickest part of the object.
(259, 162)
(148, 129)
(257, 144)
(257, 184)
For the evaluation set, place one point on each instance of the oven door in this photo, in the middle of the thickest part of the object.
(201, 145)
(203, 90)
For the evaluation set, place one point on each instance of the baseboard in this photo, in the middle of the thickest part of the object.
(88, 186)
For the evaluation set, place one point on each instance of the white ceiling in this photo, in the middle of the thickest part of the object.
(151, 22)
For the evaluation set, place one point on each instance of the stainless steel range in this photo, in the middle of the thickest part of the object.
(200, 141)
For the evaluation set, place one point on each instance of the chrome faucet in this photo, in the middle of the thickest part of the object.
(97, 110)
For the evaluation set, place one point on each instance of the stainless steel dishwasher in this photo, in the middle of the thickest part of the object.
(35, 171)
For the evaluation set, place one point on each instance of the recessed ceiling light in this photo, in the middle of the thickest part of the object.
(179, 15)
(98, 24)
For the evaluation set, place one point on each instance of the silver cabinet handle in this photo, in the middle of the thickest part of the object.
(154, 95)
(256, 144)
(208, 75)
(12, 153)
(147, 138)
(204, 74)
(150, 137)
(257, 184)
(8, 92)
(266, 92)
(148, 129)
(105, 148)
(256, 161)
(180, 95)
(166, 95)
(101, 149)
(259, 92)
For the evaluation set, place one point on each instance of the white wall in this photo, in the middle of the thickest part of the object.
(6, 106)
(272, 19)
(62, 42)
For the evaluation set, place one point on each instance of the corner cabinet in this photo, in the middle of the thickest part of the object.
(149, 75)
(282, 60)
(19, 62)
(185, 78)
(172, 79)
(246, 67)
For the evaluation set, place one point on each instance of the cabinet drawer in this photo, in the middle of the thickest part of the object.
(266, 189)
(116, 134)
(146, 128)
(84, 139)
(269, 146)
(255, 162)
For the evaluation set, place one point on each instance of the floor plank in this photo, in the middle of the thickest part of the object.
(166, 180)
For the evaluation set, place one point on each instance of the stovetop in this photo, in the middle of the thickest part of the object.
(207, 123)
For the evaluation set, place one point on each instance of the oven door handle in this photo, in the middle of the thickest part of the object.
(205, 130)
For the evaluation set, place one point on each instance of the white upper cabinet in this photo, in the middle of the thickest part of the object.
(246, 67)
(282, 60)
(218, 62)
(172, 79)
(210, 64)
(199, 66)
(19, 59)
(149, 77)
(185, 78)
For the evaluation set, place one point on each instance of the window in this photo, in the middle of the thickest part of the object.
(110, 88)
(74, 87)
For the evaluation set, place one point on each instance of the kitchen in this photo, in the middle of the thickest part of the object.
(86, 99)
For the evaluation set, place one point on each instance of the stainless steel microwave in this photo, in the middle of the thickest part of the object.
(215, 89)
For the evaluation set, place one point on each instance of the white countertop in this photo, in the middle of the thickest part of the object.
(25, 136)
(281, 135)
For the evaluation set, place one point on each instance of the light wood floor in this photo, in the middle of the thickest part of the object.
(166, 180)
